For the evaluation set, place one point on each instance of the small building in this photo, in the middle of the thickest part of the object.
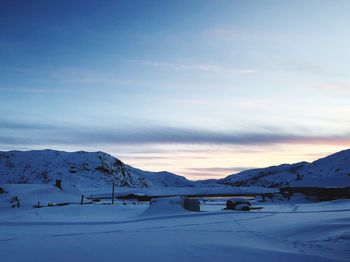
(320, 193)
(137, 196)
(58, 183)
(191, 204)
(238, 204)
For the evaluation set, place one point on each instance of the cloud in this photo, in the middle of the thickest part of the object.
(67, 75)
(145, 157)
(234, 34)
(219, 169)
(211, 68)
(335, 86)
(32, 90)
(63, 134)
(214, 171)
(19, 69)
(12, 125)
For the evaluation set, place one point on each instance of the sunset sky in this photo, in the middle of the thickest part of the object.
(200, 88)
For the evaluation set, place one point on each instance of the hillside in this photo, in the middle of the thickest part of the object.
(98, 170)
(333, 170)
(79, 169)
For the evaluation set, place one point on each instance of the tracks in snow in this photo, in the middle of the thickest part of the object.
(150, 218)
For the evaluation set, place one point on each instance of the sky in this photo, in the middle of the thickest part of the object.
(203, 89)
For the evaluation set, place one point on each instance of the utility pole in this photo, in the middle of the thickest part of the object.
(113, 184)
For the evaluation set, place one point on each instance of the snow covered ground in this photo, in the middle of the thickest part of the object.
(288, 231)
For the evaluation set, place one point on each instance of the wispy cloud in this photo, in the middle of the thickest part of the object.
(70, 134)
(214, 171)
(32, 90)
(13, 125)
(234, 34)
(219, 169)
(64, 77)
(100, 80)
(212, 68)
(19, 69)
(335, 86)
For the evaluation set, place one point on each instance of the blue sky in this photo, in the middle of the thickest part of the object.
(200, 88)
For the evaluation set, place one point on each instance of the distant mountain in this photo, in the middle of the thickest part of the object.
(80, 169)
(333, 170)
(161, 179)
(98, 169)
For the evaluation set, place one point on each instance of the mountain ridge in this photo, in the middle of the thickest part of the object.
(99, 169)
(81, 168)
(332, 170)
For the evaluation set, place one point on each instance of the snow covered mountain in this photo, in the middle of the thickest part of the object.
(333, 170)
(98, 169)
(161, 179)
(81, 169)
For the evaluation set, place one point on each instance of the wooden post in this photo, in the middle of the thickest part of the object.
(58, 183)
(113, 192)
(82, 200)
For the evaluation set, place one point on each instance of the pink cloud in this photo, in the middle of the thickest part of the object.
(335, 86)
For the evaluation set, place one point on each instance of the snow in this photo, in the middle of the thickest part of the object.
(296, 230)
(161, 179)
(88, 170)
(84, 170)
(331, 171)
(166, 206)
(163, 231)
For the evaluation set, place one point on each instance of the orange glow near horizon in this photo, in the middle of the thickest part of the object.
(198, 162)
